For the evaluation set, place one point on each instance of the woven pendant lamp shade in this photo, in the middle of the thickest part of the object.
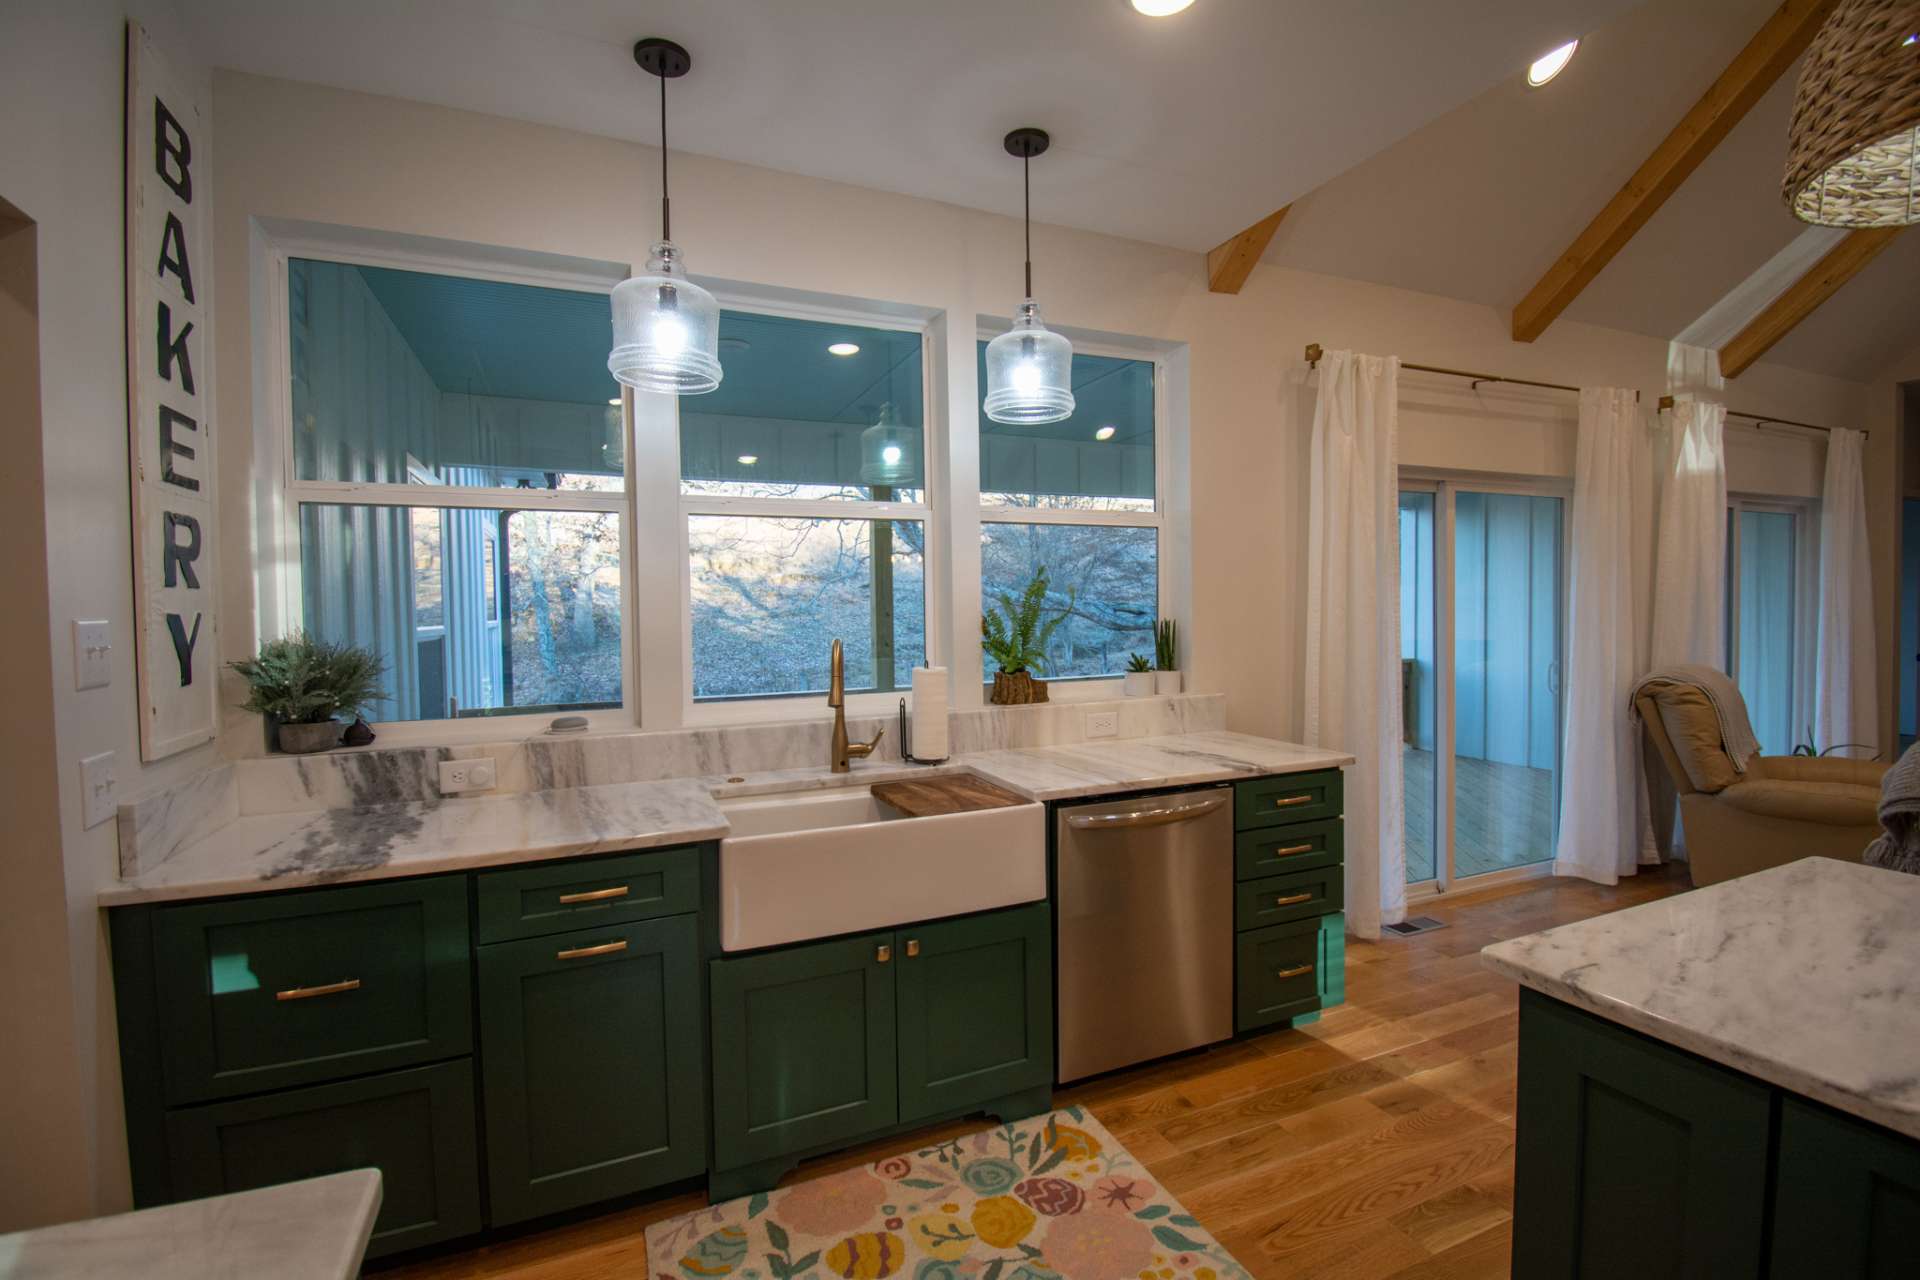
(1855, 136)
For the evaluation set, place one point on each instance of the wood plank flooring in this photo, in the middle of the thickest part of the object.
(1503, 815)
(1377, 1142)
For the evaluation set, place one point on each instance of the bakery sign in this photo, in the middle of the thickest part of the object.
(171, 437)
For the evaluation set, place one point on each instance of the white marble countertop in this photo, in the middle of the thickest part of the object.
(1806, 976)
(291, 850)
(316, 1229)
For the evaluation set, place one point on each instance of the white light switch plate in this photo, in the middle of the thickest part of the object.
(475, 774)
(1103, 724)
(92, 654)
(97, 787)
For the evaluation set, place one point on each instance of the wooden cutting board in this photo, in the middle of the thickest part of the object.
(958, 793)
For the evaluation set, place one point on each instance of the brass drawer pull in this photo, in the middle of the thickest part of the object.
(308, 993)
(1289, 850)
(1292, 898)
(581, 953)
(883, 953)
(1287, 802)
(913, 947)
(597, 895)
(1299, 970)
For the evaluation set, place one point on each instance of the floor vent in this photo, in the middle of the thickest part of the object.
(1418, 924)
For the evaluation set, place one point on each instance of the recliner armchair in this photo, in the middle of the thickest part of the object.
(1781, 809)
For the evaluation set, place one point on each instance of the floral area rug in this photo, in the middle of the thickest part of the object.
(1051, 1198)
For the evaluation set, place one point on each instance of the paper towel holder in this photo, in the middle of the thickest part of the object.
(906, 742)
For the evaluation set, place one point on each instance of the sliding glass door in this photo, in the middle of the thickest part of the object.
(1481, 625)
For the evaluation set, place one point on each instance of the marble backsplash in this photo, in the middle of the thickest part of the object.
(154, 827)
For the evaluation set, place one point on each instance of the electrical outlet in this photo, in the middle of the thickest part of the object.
(473, 774)
(97, 785)
(1103, 724)
(92, 648)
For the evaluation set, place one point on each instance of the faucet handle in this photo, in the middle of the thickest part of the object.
(861, 750)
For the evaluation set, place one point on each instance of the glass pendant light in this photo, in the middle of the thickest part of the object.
(666, 329)
(889, 451)
(1029, 367)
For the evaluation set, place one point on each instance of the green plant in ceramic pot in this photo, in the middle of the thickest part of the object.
(302, 685)
(1166, 657)
(1014, 636)
(1138, 680)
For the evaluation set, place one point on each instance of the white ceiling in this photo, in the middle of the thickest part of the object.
(1179, 131)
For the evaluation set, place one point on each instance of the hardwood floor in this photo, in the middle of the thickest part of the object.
(1377, 1142)
(1503, 815)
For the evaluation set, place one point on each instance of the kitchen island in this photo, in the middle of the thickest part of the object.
(1725, 1082)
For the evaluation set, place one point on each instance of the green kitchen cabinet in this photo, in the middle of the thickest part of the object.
(803, 1047)
(975, 1003)
(1288, 971)
(1634, 1158)
(586, 893)
(590, 1044)
(1288, 798)
(1846, 1197)
(415, 1126)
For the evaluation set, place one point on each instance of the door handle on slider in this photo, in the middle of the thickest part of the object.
(1295, 972)
(597, 895)
(581, 953)
(1291, 898)
(308, 993)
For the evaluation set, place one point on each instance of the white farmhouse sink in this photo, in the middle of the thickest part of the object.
(810, 864)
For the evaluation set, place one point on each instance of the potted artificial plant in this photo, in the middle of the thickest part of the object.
(1166, 657)
(301, 685)
(1138, 681)
(1016, 639)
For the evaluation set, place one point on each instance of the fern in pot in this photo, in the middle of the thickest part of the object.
(302, 684)
(1014, 636)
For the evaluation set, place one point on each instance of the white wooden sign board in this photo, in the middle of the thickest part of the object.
(171, 436)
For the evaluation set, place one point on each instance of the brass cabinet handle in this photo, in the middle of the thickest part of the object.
(913, 947)
(883, 953)
(1287, 802)
(597, 895)
(1294, 972)
(308, 993)
(1289, 850)
(1292, 898)
(581, 953)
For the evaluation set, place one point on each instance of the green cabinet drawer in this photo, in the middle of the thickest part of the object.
(591, 1052)
(1296, 896)
(586, 893)
(1287, 970)
(803, 1047)
(1289, 798)
(1846, 1197)
(1633, 1158)
(296, 988)
(415, 1126)
(975, 1009)
(1269, 851)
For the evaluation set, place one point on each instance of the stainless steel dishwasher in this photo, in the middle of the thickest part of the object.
(1143, 905)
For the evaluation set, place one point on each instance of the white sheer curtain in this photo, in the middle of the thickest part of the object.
(1690, 573)
(1601, 796)
(1845, 688)
(1353, 620)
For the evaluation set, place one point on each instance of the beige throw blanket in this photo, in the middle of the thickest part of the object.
(1736, 731)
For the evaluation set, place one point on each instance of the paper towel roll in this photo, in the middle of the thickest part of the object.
(930, 713)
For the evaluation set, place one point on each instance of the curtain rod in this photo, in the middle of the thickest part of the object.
(1760, 420)
(1314, 352)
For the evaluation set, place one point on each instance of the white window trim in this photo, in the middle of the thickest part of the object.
(277, 562)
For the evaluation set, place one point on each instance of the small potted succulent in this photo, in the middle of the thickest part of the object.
(302, 684)
(1138, 681)
(1166, 657)
(1016, 639)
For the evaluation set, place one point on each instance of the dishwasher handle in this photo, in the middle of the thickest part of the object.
(1148, 817)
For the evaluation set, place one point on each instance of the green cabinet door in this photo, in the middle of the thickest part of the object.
(1847, 1197)
(975, 1009)
(1633, 1158)
(803, 1047)
(591, 1051)
(415, 1126)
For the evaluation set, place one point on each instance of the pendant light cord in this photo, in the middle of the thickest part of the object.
(1026, 182)
(666, 206)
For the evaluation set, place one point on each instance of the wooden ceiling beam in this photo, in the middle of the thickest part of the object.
(1775, 47)
(1841, 264)
(1230, 263)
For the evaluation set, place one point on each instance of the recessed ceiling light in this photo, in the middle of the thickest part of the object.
(1104, 433)
(1546, 68)
(614, 401)
(1160, 8)
(748, 459)
(844, 349)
